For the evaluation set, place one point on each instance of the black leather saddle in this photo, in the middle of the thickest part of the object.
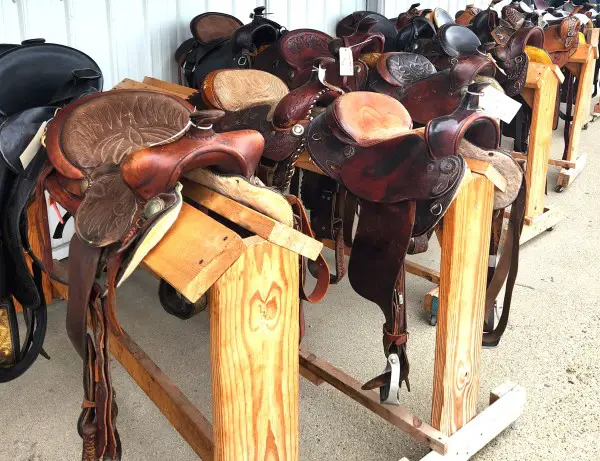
(379, 23)
(221, 41)
(440, 39)
(60, 75)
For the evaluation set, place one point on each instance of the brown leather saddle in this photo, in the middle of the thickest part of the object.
(562, 39)
(291, 58)
(364, 141)
(116, 159)
(426, 93)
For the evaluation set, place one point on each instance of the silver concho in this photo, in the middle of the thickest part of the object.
(298, 130)
(153, 207)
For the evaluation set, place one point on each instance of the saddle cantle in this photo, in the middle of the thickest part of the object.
(374, 22)
(291, 58)
(426, 93)
(116, 159)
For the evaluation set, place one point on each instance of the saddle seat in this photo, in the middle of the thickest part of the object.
(457, 40)
(230, 90)
(120, 154)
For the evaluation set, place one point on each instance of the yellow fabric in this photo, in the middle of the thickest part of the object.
(581, 38)
(6, 347)
(536, 54)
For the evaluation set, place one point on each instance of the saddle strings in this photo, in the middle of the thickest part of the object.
(181, 132)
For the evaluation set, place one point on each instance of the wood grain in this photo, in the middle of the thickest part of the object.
(254, 355)
(169, 87)
(540, 139)
(394, 414)
(465, 245)
(583, 100)
(263, 226)
(194, 253)
(129, 84)
(168, 398)
(506, 407)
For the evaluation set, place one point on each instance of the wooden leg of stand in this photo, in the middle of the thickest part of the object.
(254, 353)
(465, 245)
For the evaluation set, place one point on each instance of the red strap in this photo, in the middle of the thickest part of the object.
(322, 269)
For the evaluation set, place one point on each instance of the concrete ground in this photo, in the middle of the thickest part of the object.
(551, 348)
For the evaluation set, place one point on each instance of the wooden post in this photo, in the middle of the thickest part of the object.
(540, 94)
(254, 354)
(582, 65)
(465, 245)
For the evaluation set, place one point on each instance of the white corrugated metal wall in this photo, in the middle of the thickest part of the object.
(135, 38)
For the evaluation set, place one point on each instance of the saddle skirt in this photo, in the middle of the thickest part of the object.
(118, 156)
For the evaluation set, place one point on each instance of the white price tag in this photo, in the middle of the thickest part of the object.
(33, 147)
(346, 62)
(496, 104)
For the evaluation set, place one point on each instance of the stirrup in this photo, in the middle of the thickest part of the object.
(389, 394)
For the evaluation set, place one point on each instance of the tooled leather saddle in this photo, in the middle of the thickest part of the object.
(38, 78)
(115, 161)
(364, 141)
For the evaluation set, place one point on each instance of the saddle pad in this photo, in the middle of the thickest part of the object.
(457, 40)
(536, 54)
(237, 89)
(54, 63)
(364, 118)
(102, 131)
(208, 27)
(506, 166)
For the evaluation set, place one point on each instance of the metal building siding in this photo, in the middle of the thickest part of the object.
(391, 8)
(135, 38)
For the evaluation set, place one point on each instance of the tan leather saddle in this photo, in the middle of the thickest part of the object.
(116, 159)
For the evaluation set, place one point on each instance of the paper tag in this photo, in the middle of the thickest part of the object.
(496, 104)
(346, 61)
(33, 147)
(321, 74)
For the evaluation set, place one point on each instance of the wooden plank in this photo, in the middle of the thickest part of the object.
(429, 299)
(423, 271)
(551, 161)
(484, 427)
(193, 264)
(267, 228)
(540, 141)
(567, 175)
(254, 335)
(464, 259)
(547, 220)
(583, 53)
(487, 169)
(172, 88)
(396, 415)
(128, 84)
(582, 105)
(181, 413)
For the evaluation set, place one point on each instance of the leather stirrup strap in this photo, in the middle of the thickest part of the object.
(42, 210)
(322, 269)
(507, 269)
(83, 265)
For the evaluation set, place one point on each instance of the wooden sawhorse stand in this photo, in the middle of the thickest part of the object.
(456, 431)
(253, 288)
(582, 65)
(540, 94)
